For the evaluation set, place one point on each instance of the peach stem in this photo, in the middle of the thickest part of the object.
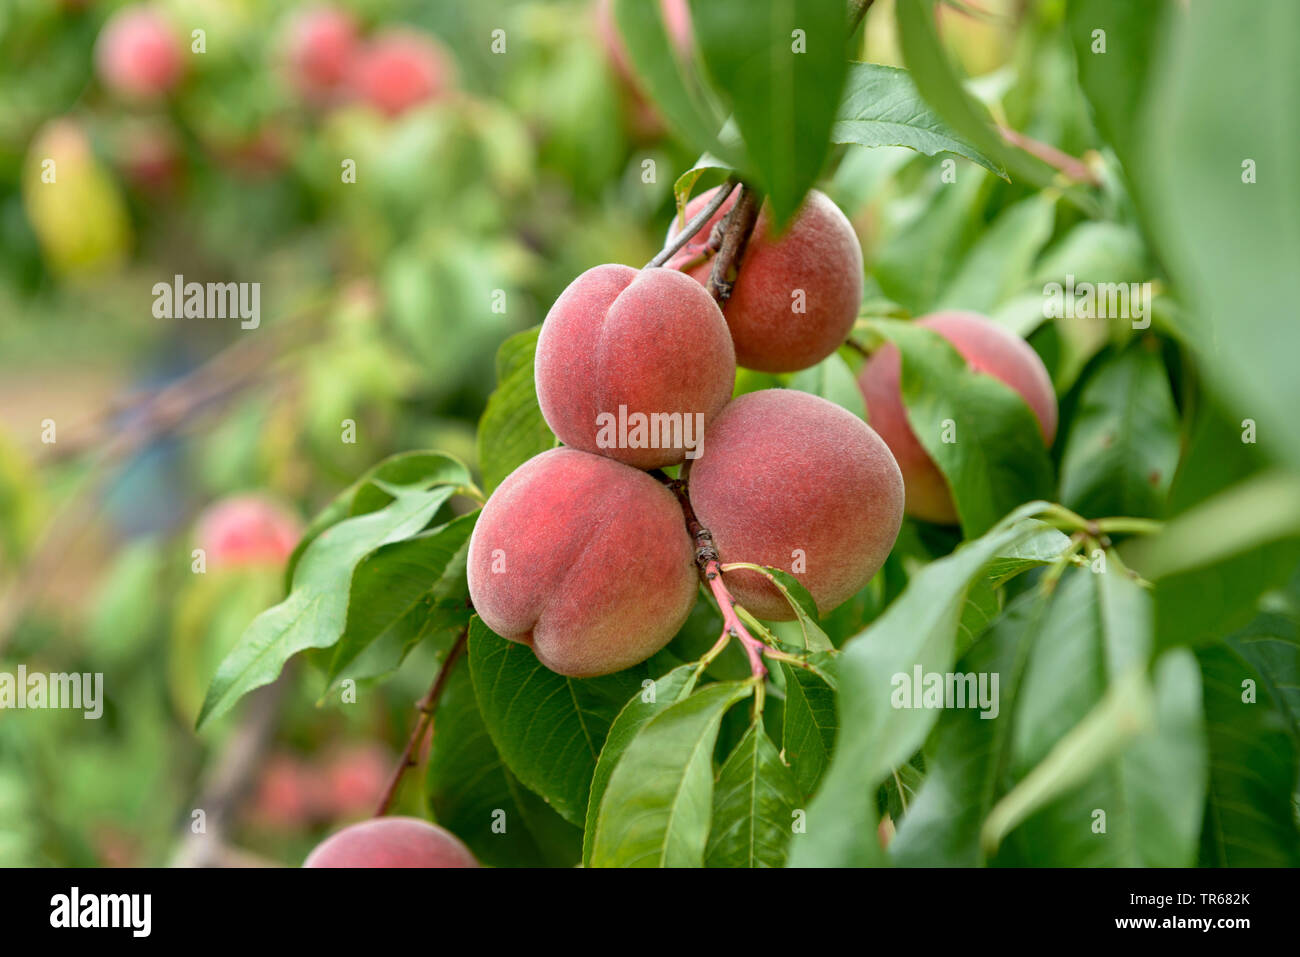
(694, 225)
(731, 623)
(706, 558)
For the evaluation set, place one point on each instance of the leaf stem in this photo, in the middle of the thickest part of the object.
(470, 490)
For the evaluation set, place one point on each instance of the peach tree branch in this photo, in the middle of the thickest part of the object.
(425, 708)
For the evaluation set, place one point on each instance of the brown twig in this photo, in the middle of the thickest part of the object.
(706, 560)
(426, 707)
(694, 224)
(225, 375)
(736, 230)
(230, 777)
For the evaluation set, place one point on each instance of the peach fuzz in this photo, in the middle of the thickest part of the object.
(391, 842)
(794, 482)
(585, 560)
(651, 341)
(818, 256)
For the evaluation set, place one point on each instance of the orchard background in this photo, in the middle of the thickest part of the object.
(412, 185)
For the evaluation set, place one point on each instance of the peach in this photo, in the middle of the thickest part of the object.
(391, 842)
(285, 798)
(247, 530)
(585, 560)
(623, 347)
(794, 482)
(353, 779)
(796, 295)
(400, 69)
(320, 43)
(987, 348)
(138, 53)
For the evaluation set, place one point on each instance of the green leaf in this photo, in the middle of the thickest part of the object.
(753, 805)
(1271, 643)
(400, 580)
(998, 459)
(934, 76)
(882, 107)
(1091, 252)
(512, 429)
(668, 690)
(780, 66)
(918, 629)
(659, 802)
(684, 105)
(425, 469)
(1041, 546)
(474, 795)
(981, 607)
(1123, 443)
(1114, 76)
(922, 255)
(548, 728)
(1225, 90)
(1093, 734)
(1249, 816)
(684, 185)
(1056, 657)
(998, 262)
(1139, 757)
(833, 380)
(313, 615)
(1212, 562)
(809, 726)
(967, 754)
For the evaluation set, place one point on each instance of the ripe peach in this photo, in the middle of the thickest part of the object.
(138, 53)
(245, 530)
(987, 348)
(353, 778)
(623, 346)
(320, 43)
(286, 794)
(400, 69)
(794, 482)
(585, 560)
(797, 295)
(391, 842)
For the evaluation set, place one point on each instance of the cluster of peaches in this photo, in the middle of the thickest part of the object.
(140, 55)
(584, 555)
